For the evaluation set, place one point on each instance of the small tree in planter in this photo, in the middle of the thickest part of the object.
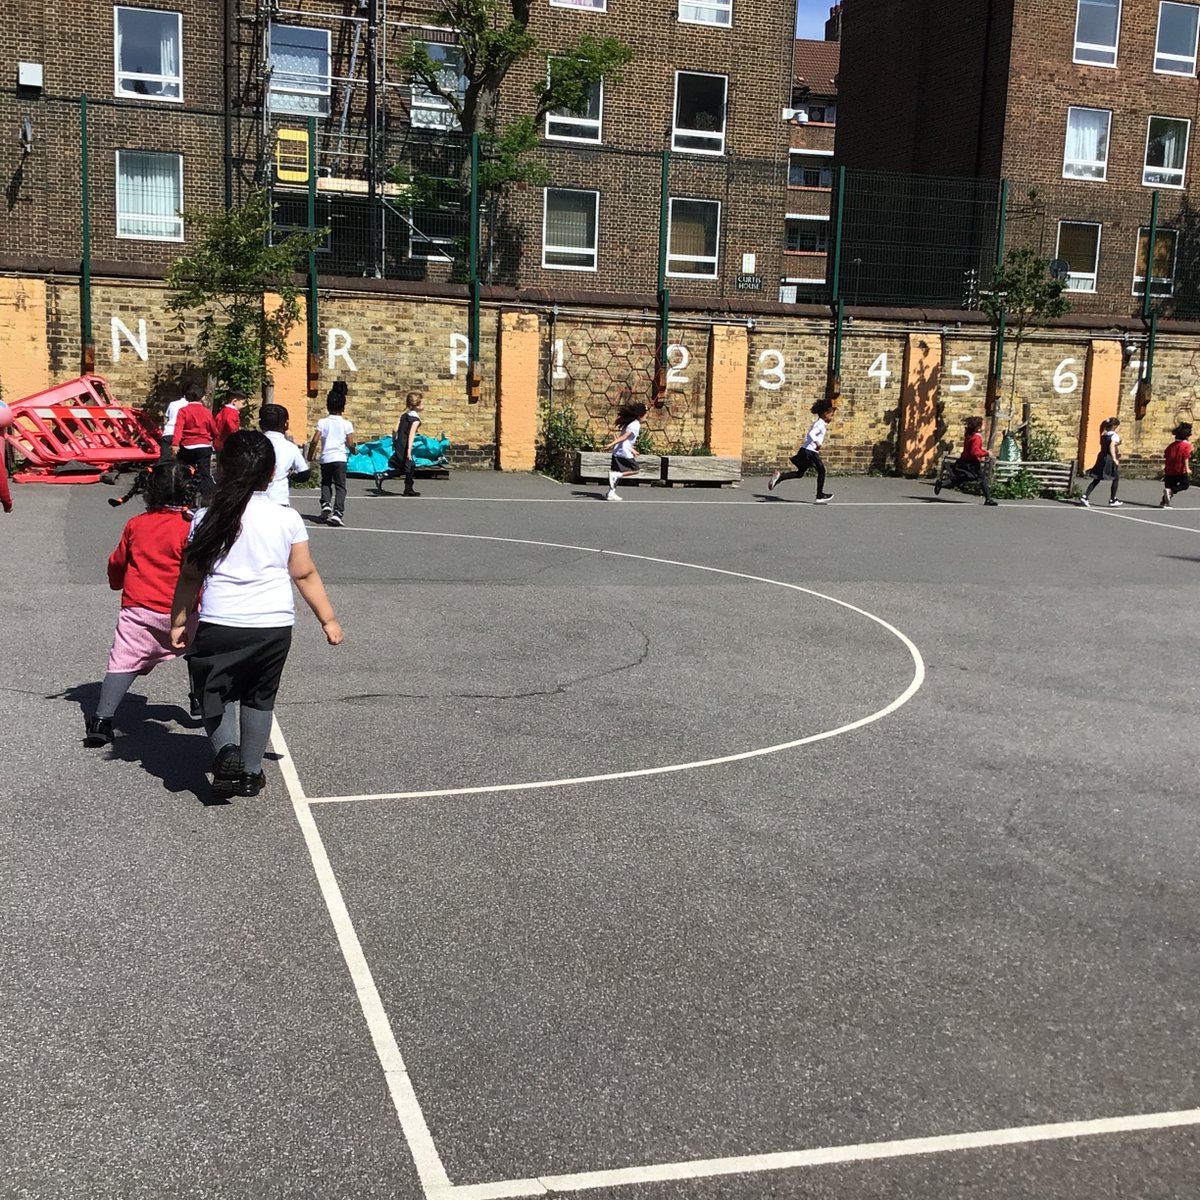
(1024, 295)
(221, 285)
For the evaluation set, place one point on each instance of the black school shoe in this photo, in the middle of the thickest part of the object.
(227, 771)
(194, 708)
(98, 732)
(250, 785)
(410, 493)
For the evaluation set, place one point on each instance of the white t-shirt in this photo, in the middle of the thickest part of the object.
(250, 587)
(172, 414)
(624, 448)
(334, 430)
(816, 435)
(288, 458)
(1114, 440)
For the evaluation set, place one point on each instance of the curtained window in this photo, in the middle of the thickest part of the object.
(299, 58)
(1166, 152)
(429, 110)
(149, 196)
(699, 113)
(706, 12)
(148, 50)
(592, 5)
(1175, 46)
(1097, 26)
(1162, 282)
(576, 125)
(1079, 247)
(1086, 153)
(692, 235)
(569, 229)
(806, 235)
(810, 171)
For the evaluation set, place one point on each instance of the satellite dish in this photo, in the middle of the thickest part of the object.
(1059, 269)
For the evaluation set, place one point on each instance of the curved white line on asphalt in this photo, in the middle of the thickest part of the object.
(672, 768)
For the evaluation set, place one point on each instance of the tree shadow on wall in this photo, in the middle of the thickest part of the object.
(1184, 302)
(505, 247)
(167, 384)
(922, 454)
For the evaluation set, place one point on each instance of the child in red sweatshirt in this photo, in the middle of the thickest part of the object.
(144, 568)
(195, 434)
(971, 466)
(1177, 465)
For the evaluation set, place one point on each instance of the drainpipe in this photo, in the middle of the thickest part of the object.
(1149, 318)
(88, 356)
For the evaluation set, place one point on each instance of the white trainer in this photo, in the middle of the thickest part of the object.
(612, 494)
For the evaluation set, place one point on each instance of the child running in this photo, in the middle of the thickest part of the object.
(334, 440)
(229, 417)
(623, 446)
(1177, 465)
(1107, 464)
(245, 551)
(971, 466)
(809, 454)
(144, 568)
(290, 462)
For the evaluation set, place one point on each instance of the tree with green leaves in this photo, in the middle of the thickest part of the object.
(221, 284)
(493, 37)
(1023, 295)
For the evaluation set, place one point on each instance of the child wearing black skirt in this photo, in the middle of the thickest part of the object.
(623, 447)
(1107, 464)
(246, 552)
(809, 455)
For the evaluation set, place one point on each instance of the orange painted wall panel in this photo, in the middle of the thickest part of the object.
(725, 410)
(1101, 397)
(291, 378)
(24, 350)
(517, 390)
(919, 404)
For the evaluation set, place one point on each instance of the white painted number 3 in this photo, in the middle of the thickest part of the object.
(770, 363)
(879, 370)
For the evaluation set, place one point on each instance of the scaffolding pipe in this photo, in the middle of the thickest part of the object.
(314, 328)
(372, 139)
(473, 331)
(88, 355)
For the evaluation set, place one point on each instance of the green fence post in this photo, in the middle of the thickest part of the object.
(1142, 401)
(833, 385)
(992, 402)
(88, 356)
(314, 328)
(1150, 257)
(473, 336)
(664, 296)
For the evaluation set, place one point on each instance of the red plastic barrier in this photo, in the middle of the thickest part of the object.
(74, 432)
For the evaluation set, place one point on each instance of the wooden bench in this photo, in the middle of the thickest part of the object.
(701, 468)
(1053, 476)
(593, 465)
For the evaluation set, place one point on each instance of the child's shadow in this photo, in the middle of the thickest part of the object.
(178, 758)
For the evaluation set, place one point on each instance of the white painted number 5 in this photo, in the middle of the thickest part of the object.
(958, 371)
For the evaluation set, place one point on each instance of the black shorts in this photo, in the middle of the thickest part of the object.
(1176, 483)
(623, 464)
(229, 663)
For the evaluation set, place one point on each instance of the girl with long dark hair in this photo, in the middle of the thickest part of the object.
(808, 457)
(971, 466)
(246, 552)
(624, 455)
(1107, 464)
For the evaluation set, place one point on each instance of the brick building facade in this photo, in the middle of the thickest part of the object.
(187, 100)
(1087, 107)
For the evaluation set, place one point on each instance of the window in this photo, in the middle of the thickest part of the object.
(1086, 152)
(299, 59)
(1162, 282)
(148, 47)
(706, 12)
(438, 225)
(1166, 152)
(569, 229)
(692, 233)
(822, 114)
(1175, 49)
(1079, 248)
(577, 126)
(806, 235)
(1097, 25)
(699, 113)
(149, 196)
(810, 170)
(594, 5)
(429, 110)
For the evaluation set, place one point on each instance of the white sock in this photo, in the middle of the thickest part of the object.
(613, 476)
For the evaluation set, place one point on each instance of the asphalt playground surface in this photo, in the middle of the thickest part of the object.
(709, 844)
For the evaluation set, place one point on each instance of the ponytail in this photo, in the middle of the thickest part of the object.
(247, 464)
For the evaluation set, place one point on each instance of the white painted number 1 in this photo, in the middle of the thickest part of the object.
(879, 370)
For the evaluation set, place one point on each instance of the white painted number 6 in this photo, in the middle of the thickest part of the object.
(770, 362)
(1065, 381)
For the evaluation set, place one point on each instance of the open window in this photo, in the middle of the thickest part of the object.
(699, 113)
(148, 48)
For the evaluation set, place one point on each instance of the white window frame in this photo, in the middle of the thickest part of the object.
(1169, 280)
(178, 217)
(1081, 281)
(120, 76)
(1187, 63)
(426, 101)
(278, 94)
(585, 5)
(796, 152)
(1148, 170)
(822, 218)
(701, 258)
(677, 131)
(1084, 162)
(573, 250)
(721, 10)
(1093, 46)
(561, 118)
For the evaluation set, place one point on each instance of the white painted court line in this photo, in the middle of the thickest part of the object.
(1020, 1135)
(412, 1120)
(1108, 512)
(780, 502)
(533, 785)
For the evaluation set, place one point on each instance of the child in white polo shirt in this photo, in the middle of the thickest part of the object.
(334, 438)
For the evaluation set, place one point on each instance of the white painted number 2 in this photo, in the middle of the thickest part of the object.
(879, 370)
(958, 371)
(770, 363)
(677, 361)
(1065, 381)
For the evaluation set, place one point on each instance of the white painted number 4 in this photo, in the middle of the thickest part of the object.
(879, 370)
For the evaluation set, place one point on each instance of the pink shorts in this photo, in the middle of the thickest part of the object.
(143, 640)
